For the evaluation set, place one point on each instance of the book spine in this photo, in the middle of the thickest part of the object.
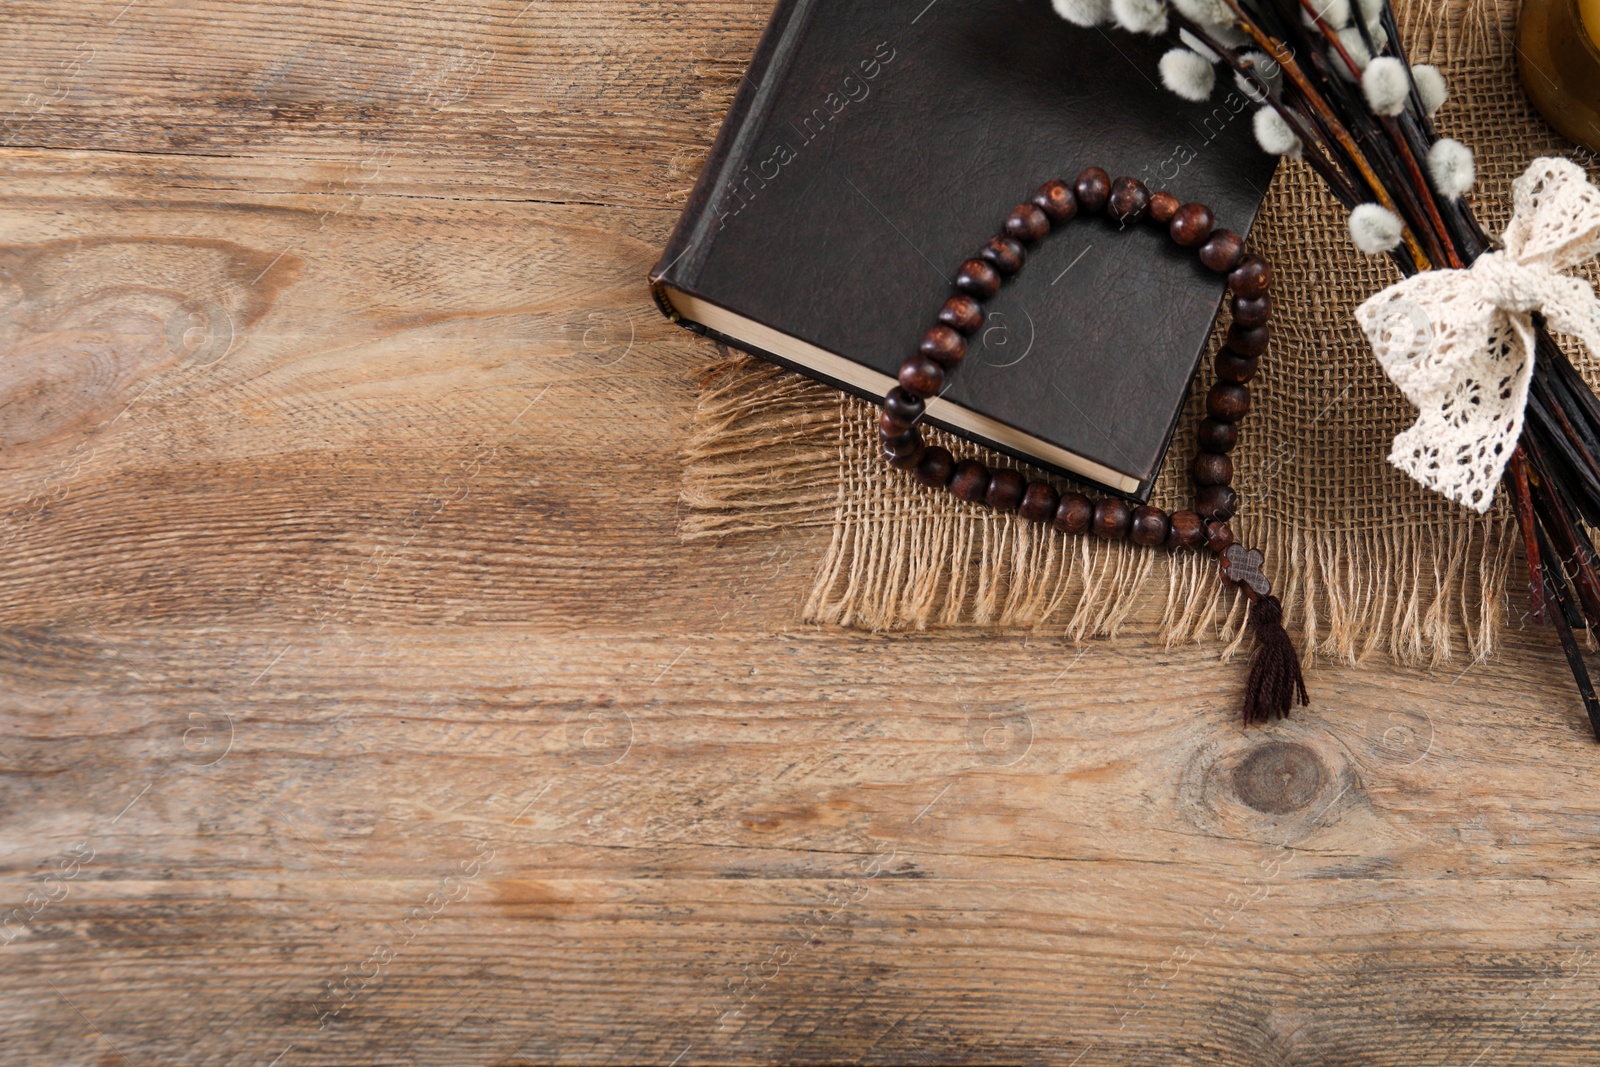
(697, 228)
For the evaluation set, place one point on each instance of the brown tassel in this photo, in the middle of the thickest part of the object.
(1275, 680)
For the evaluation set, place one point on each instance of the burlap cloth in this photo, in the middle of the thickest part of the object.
(1362, 557)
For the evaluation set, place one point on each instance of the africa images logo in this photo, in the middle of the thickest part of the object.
(853, 88)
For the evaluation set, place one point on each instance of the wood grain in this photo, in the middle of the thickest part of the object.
(362, 705)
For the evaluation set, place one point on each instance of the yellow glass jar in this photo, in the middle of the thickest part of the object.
(1558, 56)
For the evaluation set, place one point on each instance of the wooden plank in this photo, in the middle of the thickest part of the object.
(773, 846)
(361, 704)
(556, 100)
(289, 402)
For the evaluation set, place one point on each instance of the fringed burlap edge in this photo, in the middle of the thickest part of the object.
(760, 453)
(769, 448)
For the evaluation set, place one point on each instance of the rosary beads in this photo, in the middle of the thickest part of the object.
(1275, 680)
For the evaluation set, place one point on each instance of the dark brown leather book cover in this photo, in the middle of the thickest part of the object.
(874, 145)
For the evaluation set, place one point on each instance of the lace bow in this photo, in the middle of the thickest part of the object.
(1460, 343)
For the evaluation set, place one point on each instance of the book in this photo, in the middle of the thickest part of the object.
(874, 145)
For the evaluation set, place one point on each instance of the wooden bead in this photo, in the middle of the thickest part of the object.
(1006, 487)
(1027, 223)
(1039, 502)
(963, 313)
(1232, 367)
(1218, 436)
(1219, 535)
(1093, 187)
(898, 441)
(1162, 207)
(1128, 201)
(906, 455)
(943, 345)
(1148, 526)
(921, 376)
(1216, 502)
(1112, 517)
(899, 446)
(1252, 310)
(1249, 340)
(908, 459)
(1252, 277)
(1188, 530)
(1228, 402)
(1074, 513)
(1005, 253)
(889, 426)
(1191, 226)
(978, 279)
(1057, 200)
(903, 406)
(1222, 251)
(936, 467)
(970, 482)
(1211, 468)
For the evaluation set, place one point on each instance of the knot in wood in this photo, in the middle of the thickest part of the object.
(1279, 777)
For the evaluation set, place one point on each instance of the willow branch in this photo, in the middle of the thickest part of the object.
(1276, 49)
(1443, 248)
(1310, 143)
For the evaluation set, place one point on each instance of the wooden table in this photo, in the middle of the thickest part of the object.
(362, 705)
